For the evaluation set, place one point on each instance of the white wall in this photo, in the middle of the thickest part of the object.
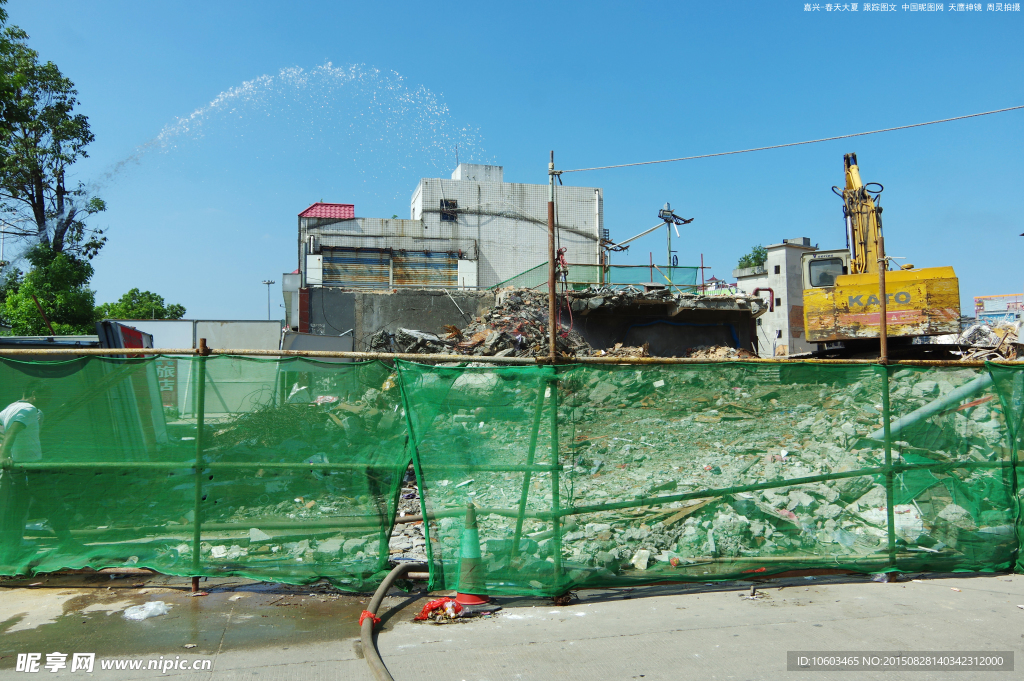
(509, 222)
(781, 330)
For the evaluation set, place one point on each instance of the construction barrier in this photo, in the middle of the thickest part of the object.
(281, 470)
(588, 476)
(290, 470)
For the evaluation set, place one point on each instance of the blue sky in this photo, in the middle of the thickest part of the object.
(374, 96)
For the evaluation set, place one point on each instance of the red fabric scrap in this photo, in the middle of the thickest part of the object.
(367, 614)
(434, 605)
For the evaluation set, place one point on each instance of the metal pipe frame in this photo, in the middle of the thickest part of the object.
(524, 495)
(243, 465)
(791, 482)
(517, 361)
(197, 522)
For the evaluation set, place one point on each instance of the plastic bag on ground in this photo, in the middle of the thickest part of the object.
(146, 610)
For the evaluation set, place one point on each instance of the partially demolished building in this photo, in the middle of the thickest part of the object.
(428, 281)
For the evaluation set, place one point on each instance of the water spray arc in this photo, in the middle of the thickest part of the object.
(372, 118)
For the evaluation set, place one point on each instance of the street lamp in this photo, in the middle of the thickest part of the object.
(268, 282)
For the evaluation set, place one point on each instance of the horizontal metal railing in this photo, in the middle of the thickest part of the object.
(430, 358)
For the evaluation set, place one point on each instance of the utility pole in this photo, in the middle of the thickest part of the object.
(269, 283)
(551, 257)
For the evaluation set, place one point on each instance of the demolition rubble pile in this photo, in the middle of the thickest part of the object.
(691, 431)
(718, 352)
(982, 342)
(517, 326)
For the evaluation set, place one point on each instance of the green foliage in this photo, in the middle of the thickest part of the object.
(138, 304)
(8, 81)
(757, 257)
(40, 138)
(59, 281)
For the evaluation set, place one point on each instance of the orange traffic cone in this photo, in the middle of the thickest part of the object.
(472, 588)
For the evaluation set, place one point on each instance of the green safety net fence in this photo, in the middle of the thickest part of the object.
(282, 470)
(591, 476)
(290, 470)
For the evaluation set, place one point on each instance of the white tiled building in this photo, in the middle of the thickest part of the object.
(780, 331)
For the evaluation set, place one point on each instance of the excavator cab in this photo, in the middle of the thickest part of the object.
(821, 268)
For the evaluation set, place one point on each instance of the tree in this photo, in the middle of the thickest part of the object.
(8, 81)
(756, 258)
(59, 282)
(40, 139)
(138, 304)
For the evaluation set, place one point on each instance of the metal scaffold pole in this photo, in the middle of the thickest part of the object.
(197, 523)
(883, 359)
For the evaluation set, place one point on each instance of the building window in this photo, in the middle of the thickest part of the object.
(778, 269)
(759, 320)
(778, 302)
(778, 334)
(449, 210)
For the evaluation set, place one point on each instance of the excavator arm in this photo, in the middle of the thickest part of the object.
(863, 220)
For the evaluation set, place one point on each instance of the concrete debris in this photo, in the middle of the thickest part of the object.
(719, 352)
(256, 536)
(706, 430)
(517, 324)
(635, 434)
(618, 350)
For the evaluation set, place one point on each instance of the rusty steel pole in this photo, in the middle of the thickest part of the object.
(551, 257)
(883, 359)
(883, 321)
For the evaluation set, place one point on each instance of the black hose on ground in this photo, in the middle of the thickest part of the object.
(366, 627)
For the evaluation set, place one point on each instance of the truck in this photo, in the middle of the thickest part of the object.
(840, 288)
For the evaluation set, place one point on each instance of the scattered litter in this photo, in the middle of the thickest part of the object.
(464, 483)
(198, 593)
(146, 610)
(953, 588)
(441, 610)
(190, 645)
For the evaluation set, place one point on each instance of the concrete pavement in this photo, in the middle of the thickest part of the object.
(659, 632)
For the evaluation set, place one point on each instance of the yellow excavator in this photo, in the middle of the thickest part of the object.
(841, 305)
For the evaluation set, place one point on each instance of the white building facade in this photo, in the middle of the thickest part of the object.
(780, 331)
(471, 231)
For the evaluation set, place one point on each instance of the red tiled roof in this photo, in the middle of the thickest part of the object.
(340, 211)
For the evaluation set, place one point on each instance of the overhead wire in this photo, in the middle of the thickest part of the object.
(794, 144)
